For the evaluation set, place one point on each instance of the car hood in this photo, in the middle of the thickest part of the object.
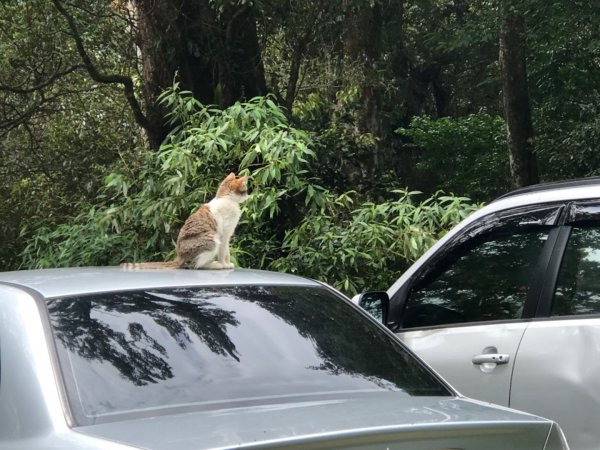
(376, 421)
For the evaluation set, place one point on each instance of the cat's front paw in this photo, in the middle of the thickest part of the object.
(228, 265)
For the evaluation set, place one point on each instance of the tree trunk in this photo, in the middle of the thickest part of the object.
(362, 41)
(215, 55)
(241, 67)
(523, 164)
(362, 47)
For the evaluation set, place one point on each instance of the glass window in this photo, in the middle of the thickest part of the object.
(487, 280)
(152, 352)
(578, 286)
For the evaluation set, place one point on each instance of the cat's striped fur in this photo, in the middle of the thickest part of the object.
(205, 235)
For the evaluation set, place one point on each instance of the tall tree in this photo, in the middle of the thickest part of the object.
(59, 130)
(212, 46)
(362, 41)
(517, 112)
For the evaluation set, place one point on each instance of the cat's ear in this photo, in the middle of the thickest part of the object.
(244, 179)
(230, 177)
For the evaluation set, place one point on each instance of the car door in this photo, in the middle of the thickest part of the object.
(466, 309)
(557, 371)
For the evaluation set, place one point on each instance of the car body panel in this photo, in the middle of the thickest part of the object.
(572, 346)
(353, 422)
(450, 352)
(24, 352)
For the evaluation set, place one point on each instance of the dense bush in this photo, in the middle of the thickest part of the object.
(464, 154)
(290, 222)
(149, 204)
(370, 246)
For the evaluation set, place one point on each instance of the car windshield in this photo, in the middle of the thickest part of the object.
(159, 351)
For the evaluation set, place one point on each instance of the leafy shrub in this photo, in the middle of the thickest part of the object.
(147, 205)
(370, 246)
(290, 222)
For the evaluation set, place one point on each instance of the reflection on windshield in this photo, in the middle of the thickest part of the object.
(107, 330)
(131, 352)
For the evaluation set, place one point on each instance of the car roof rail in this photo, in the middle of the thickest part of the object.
(552, 185)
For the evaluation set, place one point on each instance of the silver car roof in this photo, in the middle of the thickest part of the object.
(553, 186)
(87, 280)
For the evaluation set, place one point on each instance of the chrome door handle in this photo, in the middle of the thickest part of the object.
(493, 358)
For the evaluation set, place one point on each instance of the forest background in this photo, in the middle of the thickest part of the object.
(368, 127)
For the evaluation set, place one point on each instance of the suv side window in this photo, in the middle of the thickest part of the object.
(578, 287)
(489, 279)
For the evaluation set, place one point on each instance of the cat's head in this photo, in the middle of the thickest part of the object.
(234, 187)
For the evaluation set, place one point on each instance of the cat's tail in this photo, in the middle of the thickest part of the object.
(152, 265)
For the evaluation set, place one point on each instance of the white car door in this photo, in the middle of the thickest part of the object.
(466, 310)
(557, 372)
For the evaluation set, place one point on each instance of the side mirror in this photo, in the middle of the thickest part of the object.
(376, 303)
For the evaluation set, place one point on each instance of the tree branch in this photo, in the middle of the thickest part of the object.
(52, 79)
(298, 52)
(100, 77)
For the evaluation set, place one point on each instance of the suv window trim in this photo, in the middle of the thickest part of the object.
(539, 301)
(550, 275)
(575, 213)
(492, 222)
(465, 324)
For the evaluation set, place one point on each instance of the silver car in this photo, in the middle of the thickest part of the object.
(104, 358)
(506, 307)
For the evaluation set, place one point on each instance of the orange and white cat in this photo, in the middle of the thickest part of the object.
(203, 241)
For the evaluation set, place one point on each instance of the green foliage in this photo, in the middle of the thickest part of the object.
(466, 154)
(81, 243)
(290, 222)
(570, 150)
(252, 137)
(363, 70)
(59, 131)
(564, 83)
(344, 152)
(52, 164)
(368, 247)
